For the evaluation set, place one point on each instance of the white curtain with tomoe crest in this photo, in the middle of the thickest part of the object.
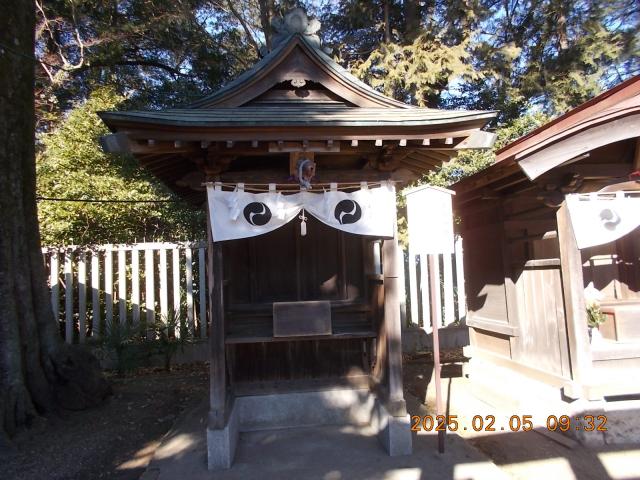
(602, 217)
(239, 214)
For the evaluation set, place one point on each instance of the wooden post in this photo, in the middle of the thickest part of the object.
(122, 285)
(459, 258)
(413, 288)
(574, 302)
(424, 294)
(434, 285)
(164, 296)
(95, 294)
(55, 285)
(217, 364)
(176, 288)
(82, 296)
(108, 287)
(189, 279)
(396, 404)
(135, 287)
(149, 298)
(449, 314)
(68, 297)
(202, 293)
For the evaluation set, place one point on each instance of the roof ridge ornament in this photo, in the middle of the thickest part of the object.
(296, 21)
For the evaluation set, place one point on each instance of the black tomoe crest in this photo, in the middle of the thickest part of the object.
(347, 211)
(257, 214)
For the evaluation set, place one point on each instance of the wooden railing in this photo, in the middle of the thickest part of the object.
(96, 287)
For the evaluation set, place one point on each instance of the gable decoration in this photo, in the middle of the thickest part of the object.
(239, 214)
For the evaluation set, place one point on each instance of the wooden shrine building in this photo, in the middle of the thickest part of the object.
(304, 322)
(528, 281)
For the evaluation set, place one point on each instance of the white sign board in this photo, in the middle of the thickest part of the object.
(430, 219)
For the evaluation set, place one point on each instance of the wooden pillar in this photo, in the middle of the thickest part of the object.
(574, 302)
(392, 327)
(217, 365)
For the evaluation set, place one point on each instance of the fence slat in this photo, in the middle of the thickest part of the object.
(95, 294)
(176, 289)
(202, 291)
(462, 300)
(55, 284)
(449, 313)
(122, 286)
(437, 291)
(189, 280)
(149, 299)
(108, 287)
(164, 299)
(413, 288)
(97, 273)
(424, 294)
(68, 297)
(82, 296)
(135, 288)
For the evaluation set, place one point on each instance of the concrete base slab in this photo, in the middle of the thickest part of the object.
(318, 453)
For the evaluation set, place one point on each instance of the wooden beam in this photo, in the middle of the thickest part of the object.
(574, 301)
(550, 156)
(592, 171)
(322, 176)
(305, 146)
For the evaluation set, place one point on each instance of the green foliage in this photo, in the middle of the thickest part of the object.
(172, 333)
(469, 162)
(417, 72)
(71, 164)
(123, 341)
(505, 56)
(595, 317)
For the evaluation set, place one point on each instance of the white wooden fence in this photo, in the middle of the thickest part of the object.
(449, 295)
(94, 288)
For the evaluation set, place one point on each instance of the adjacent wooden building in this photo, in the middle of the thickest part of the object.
(297, 102)
(525, 276)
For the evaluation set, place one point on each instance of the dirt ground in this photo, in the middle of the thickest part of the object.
(117, 440)
(113, 441)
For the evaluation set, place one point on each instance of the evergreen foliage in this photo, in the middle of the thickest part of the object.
(72, 165)
(515, 57)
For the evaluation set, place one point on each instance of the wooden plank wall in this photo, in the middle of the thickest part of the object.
(514, 284)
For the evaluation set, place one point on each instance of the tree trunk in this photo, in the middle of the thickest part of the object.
(38, 373)
(387, 26)
(412, 19)
(266, 12)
